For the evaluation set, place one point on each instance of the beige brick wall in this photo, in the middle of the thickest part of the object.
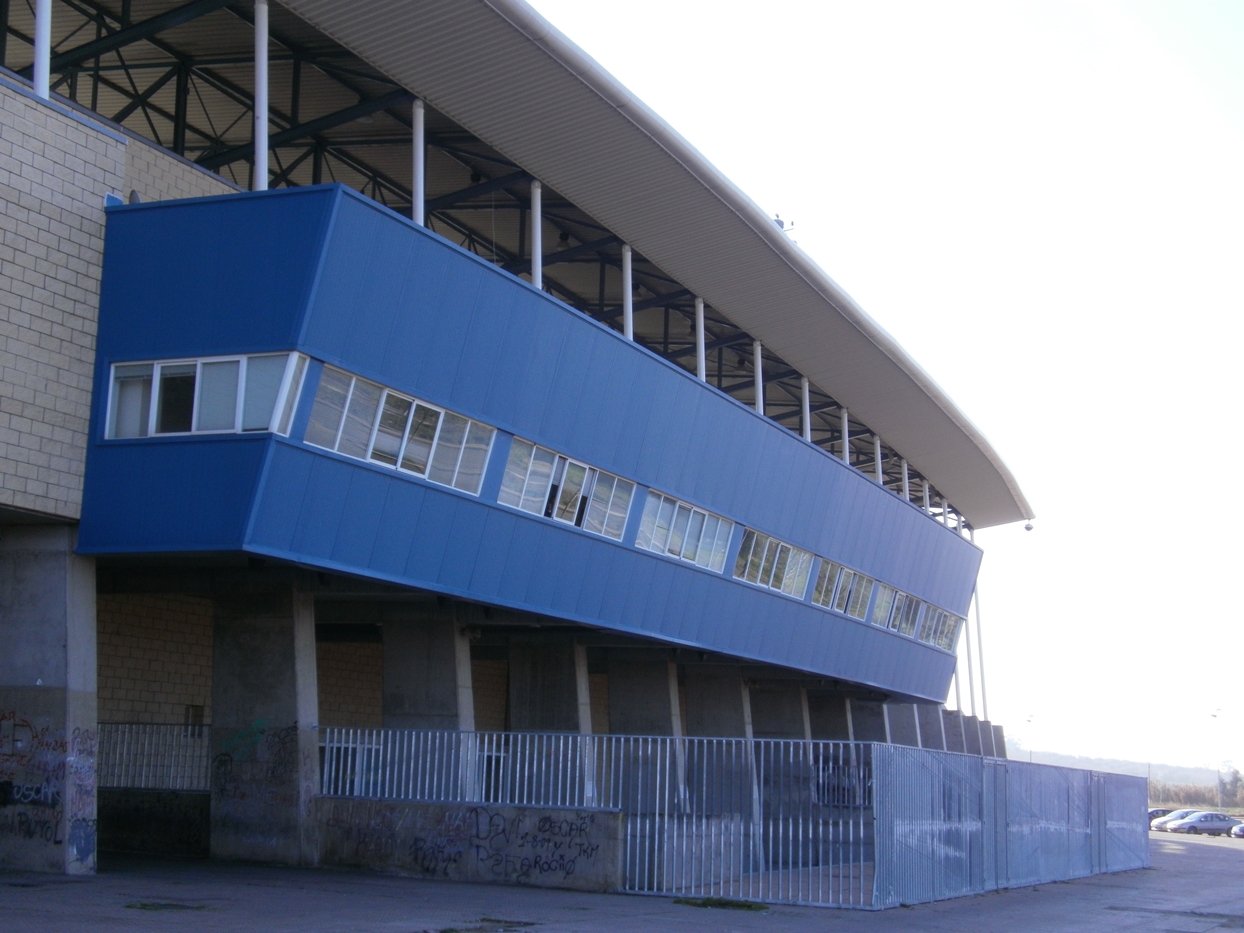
(55, 169)
(350, 679)
(155, 657)
(490, 682)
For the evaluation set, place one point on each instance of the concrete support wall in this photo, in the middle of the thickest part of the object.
(867, 721)
(350, 681)
(903, 727)
(421, 668)
(47, 701)
(715, 701)
(265, 741)
(999, 742)
(543, 687)
(931, 729)
(972, 735)
(827, 716)
(777, 711)
(640, 695)
(952, 720)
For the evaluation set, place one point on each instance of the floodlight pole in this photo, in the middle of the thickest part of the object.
(537, 246)
(42, 72)
(758, 366)
(418, 189)
(628, 295)
(699, 340)
(877, 457)
(846, 435)
(805, 407)
(260, 180)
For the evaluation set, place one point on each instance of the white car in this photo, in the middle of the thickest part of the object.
(1163, 821)
(1212, 824)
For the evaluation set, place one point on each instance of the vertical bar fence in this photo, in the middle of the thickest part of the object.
(153, 756)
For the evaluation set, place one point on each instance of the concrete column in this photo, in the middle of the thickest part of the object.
(715, 702)
(930, 720)
(537, 235)
(419, 171)
(749, 731)
(466, 686)
(986, 734)
(41, 70)
(628, 295)
(972, 735)
(583, 689)
(952, 723)
(758, 367)
(700, 369)
(807, 714)
(805, 408)
(846, 436)
(265, 735)
(999, 741)
(261, 96)
(827, 716)
(543, 687)
(904, 727)
(426, 666)
(47, 701)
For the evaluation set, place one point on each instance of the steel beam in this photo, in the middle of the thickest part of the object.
(565, 255)
(446, 201)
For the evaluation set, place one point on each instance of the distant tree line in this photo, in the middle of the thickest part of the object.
(1198, 795)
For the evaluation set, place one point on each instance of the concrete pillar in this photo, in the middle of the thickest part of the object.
(972, 735)
(777, 712)
(867, 721)
(715, 701)
(952, 724)
(583, 689)
(904, 730)
(427, 664)
(999, 742)
(931, 730)
(827, 716)
(265, 737)
(986, 734)
(543, 687)
(47, 701)
(641, 701)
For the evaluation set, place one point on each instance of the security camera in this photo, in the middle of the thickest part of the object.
(1028, 527)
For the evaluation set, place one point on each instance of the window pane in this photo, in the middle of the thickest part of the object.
(538, 480)
(691, 546)
(745, 554)
(911, 615)
(648, 524)
(330, 405)
(619, 508)
(568, 497)
(131, 401)
(516, 473)
(797, 568)
(175, 408)
(665, 518)
(760, 570)
(360, 419)
(264, 375)
(882, 605)
(218, 396)
(707, 539)
(291, 396)
(474, 458)
(826, 577)
(928, 625)
(419, 439)
(847, 578)
(598, 507)
(448, 448)
(861, 590)
(779, 566)
(718, 562)
(679, 532)
(946, 639)
(391, 430)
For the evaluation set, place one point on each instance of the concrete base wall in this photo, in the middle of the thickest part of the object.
(715, 702)
(575, 849)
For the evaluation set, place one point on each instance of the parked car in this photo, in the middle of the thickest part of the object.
(1238, 831)
(1212, 824)
(1161, 821)
(1155, 812)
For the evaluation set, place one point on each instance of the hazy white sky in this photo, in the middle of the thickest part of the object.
(1044, 202)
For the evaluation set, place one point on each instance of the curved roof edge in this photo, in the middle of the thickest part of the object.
(591, 139)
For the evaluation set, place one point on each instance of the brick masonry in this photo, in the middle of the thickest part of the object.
(56, 166)
(350, 680)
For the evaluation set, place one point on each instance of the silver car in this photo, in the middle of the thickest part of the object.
(1212, 824)
(1162, 821)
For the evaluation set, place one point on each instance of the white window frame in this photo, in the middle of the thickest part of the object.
(661, 499)
(557, 478)
(768, 585)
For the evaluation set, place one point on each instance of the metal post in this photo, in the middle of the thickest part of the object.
(906, 483)
(980, 645)
(628, 295)
(846, 435)
(537, 246)
(805, 408)
(927, 507)
(877, 458)
(758, 366)
(418, 192)
(967, 642)
(43, 48)
(699, 340)
(260, 181)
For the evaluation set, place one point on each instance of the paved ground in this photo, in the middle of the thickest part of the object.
(1196, 884)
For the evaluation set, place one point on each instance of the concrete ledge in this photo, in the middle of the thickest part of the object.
(576, 849)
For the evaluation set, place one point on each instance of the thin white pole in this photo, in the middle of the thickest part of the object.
(43, 49)
(758, 366)
(980, 645)
(805, 407)
(537, 245)
(967, 642)
(628, 295)
(906, 483)
(945, 516)
(877, 458)
(260, 182)
(928, 508)
(699, 340)
(846, 435)
(419, 175)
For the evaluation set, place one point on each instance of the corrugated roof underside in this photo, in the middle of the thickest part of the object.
(592, 142)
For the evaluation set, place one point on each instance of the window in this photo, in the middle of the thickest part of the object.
(905, 615)
(939, 627)
(365, 420)
(683, 531)
(854, 590)
(826, 582)
(769, 562)
(217, 395)
(543, 482)
(882, 605)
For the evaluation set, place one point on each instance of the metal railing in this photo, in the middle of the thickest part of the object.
(153, 756)
(769, 820)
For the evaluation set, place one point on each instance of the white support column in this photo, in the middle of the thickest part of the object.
(807, 714)
(967, 643)
(628, 295)
(583, 690)
(537, 244)
(885, 716)
(846, 435)
(945, 517)
(805, 408)
(906, 483)
(699, 340)
(419, 173)
(758, 366)
(260, 181)
(926, 506)
(980, 645)
(43, 49)
(877, 458)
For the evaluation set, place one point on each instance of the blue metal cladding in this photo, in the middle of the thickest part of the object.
(354, 285)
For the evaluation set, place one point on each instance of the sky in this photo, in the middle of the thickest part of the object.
(1044, 203)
